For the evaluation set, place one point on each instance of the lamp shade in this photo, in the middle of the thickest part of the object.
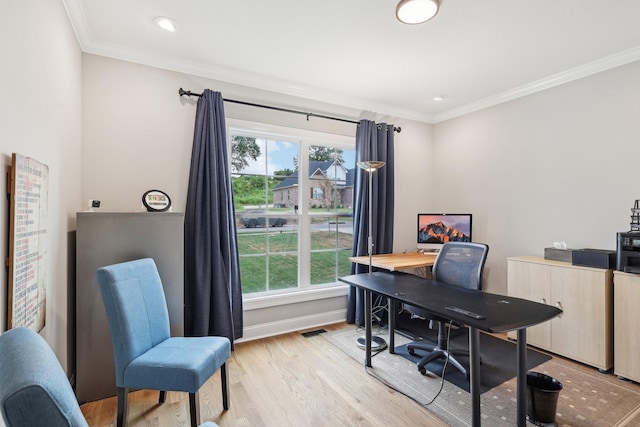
(371, 165)
(416, 11)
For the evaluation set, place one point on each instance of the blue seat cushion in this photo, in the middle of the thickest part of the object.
(178, 364)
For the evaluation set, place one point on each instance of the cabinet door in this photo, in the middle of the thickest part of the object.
(583, 331)
(627, 317)
(530, 281)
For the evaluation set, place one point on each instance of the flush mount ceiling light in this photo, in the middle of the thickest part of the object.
(417, 11)
(165, 23)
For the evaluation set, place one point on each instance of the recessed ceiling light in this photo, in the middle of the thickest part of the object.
(417, 11)
(165, 23)
(439, 97)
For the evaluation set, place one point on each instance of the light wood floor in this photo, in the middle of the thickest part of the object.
(288, 380)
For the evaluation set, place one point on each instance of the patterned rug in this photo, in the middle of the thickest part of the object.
(498, 356)
(588, 398)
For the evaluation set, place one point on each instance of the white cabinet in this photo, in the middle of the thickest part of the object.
(626, 319)
(584, 331)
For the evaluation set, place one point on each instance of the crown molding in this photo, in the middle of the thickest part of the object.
(262, 82)
(588, 69)
(248, 79)
(78, 21)
(89, 45)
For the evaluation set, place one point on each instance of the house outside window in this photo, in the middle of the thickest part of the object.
(288, 242)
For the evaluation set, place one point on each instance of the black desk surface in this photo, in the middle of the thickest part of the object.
(503, 313)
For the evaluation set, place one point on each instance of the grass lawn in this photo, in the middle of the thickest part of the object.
(327, 263)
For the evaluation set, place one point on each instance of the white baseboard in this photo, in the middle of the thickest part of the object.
(280, 327)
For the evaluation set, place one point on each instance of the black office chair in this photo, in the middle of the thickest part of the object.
(459, 264)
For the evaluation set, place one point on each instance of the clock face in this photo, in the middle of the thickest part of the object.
(156, 201)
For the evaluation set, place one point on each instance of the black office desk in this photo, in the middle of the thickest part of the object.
(502, 313)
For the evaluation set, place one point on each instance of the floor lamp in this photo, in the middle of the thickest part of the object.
(377, 343)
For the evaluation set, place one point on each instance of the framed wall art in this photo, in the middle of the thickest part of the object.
(28, 188)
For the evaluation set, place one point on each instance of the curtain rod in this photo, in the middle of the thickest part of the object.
(183, 92)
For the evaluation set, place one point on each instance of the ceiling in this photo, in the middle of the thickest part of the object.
(354, 53)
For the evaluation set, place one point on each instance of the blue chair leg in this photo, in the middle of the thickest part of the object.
(163, 396)
(123, 408)
(225, 386)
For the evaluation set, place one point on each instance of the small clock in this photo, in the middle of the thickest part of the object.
(156, 201)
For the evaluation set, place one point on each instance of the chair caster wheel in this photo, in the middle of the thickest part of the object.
(423, 371)
(412, 351)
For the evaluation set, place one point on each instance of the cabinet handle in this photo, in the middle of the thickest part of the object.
(558, 305)
(543, 301)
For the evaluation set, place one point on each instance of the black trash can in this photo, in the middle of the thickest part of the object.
(542, 398)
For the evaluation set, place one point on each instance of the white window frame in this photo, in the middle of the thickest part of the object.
(304, 291)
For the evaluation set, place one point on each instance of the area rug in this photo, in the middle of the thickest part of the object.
(588, 398)
(497, 355)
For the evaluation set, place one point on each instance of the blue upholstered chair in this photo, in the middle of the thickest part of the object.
(146, 356)
(34, 390)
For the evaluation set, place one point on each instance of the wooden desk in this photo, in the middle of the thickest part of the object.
(395, 262)
(502, 314)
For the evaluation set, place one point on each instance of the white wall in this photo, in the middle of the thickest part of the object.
(414, 183)
(138, 133)
(557, 165)
(561, 164)
(40, 114)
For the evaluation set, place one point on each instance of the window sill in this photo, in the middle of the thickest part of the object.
(294, 296)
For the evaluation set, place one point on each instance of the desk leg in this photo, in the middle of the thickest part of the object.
(474, 360)
(367, 327)
(521, 388)
(392, 325)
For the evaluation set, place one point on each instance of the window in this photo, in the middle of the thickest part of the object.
(317, 194)
(287, 241)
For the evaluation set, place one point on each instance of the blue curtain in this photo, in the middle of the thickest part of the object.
(212, 288)
(373, 142)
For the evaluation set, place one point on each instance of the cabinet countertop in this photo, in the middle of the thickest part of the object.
(541, 260)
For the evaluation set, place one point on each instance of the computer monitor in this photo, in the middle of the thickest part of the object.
(434, 230)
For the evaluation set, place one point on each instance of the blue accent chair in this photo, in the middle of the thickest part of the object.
(34, 390)
(146, 356)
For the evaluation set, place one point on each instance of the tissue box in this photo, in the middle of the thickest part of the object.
(554, 254)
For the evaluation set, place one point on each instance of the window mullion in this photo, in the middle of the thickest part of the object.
(304, 236)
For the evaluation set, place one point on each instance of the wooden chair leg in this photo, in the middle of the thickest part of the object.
(163, 396)
(225, 386)
(123, 407)
(193, 409)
